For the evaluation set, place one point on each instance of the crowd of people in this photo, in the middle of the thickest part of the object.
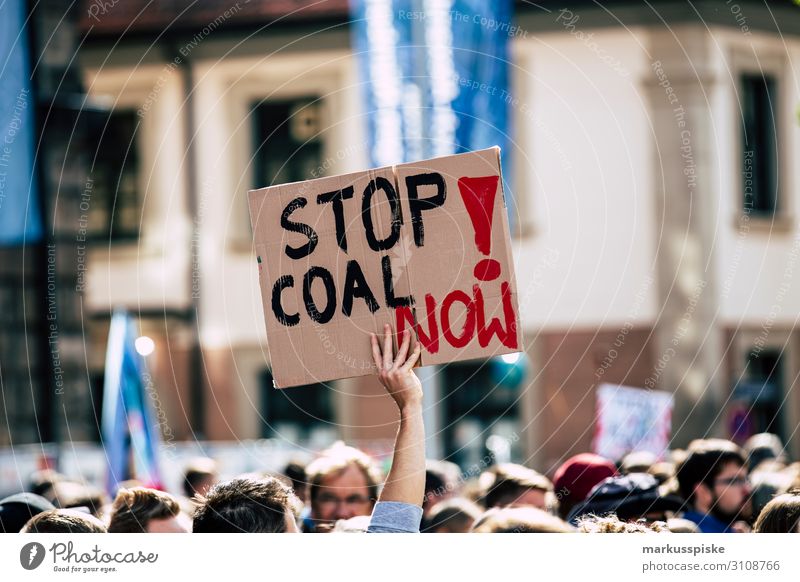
(713, 486)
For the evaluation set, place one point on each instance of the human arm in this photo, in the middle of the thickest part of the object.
(401, 498)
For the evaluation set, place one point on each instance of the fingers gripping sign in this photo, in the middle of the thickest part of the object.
(405, 482)
(397, 374)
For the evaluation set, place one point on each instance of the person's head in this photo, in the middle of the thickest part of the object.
(440, 483)
(295, 471)
(763, 446)
(713, 480)
(143, 510)
(612, 524)
(64, 521)
(576, 477)
(637, 462)
(629, 497)
(199, 476)
(781, 515)
(247, 506)
(520, 520)
(454, 515)
(42, 481)
(663, 471)
(768, 466)
(16, 510)
(343, 483)
(765, 485)
(510, 485)
(72, 495)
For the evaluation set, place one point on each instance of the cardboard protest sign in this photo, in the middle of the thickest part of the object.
(422, 246)
(632, 419)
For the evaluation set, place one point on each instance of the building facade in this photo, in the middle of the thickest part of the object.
(656, 242)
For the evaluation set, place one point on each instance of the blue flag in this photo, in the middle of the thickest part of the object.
(131, 437)
(20, 221)
(434, 77)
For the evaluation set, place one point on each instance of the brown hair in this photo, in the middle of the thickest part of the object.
(64, 521)
(334, 461)
(520, 520)
(134, 508)
(454, 515)
(197, 471)
(504, 483)
(245, 505)
(781, 515)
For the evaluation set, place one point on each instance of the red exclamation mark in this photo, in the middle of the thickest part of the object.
(478, 195)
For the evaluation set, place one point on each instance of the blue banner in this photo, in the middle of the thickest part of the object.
(20, 221)
(131, 437)
(434, 76)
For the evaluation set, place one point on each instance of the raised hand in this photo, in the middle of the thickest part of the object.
(397, 374)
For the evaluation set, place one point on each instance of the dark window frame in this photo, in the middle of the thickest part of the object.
(307, 406)
(272, 130)
(114, 146)
(759, 149)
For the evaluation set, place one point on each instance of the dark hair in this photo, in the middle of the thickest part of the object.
(16, 510)
(244, 505)
(435, 483)
(781, 515)
(704, 462)
(199, 470)
(295, 470)
(70, 495)
(64, 521)
(504, 483)
(42, 481)
(763, 446)
(764, 486)
(134, 508)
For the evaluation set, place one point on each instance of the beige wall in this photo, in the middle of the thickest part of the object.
(568, 365)
(587, 158)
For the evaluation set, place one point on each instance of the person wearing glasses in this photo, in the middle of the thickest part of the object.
(344, 483)
(713, 482)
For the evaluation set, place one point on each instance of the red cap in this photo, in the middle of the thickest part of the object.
(579, 474)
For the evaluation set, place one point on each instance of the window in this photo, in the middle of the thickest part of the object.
(302, 414)
(481, 413)
(114, 210)
(758, 395)
(759, 144)
(288, 147)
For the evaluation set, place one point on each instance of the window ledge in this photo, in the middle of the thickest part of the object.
(524, 232)
(241, 246)
(123, 251)
(778, 224)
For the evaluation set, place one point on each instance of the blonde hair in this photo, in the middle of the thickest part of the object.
(780, 515)
(612, 524)
(503, 483)
(334, 461)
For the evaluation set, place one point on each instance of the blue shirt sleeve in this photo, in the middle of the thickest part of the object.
(395, 517)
